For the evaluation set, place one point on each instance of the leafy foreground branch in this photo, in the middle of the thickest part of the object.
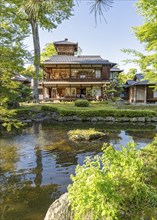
(117, 185)
(8, 120)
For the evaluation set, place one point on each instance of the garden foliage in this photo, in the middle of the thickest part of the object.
(117, 113)
(82, 103)
(117, 185)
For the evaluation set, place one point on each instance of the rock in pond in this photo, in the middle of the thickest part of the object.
(85, 135)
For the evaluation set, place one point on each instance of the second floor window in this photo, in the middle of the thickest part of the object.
(82, 76)
(97, 74)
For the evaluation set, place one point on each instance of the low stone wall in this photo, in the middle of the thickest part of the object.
(59, 209)
(47, 115)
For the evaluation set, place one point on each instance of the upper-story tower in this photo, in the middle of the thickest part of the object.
(65, 47)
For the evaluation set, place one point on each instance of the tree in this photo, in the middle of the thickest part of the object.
(46, 15)
(13, 56)
(146, 34)
(123, 77)
(48, 51)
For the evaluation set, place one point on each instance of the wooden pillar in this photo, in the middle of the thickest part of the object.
(70, 92)
(91, 89)
(70, 72)
(102, 91)
(43, 92)
(135, 94)
(56, 90)
(145, 94)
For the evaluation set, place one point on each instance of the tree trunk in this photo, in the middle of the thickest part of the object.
(36, 44)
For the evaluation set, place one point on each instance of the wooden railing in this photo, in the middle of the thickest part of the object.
(71, 98)
(74, 80)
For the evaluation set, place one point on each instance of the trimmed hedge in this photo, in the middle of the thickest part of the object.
(22, 111)
(108, 113)
(49, 108)
(88, 113)
(82, 103)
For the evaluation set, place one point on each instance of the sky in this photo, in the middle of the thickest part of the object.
(106, 38)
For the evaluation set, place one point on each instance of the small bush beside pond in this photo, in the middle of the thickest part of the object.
(82, 103)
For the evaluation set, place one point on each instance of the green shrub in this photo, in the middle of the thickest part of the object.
(82, 103)
(117, 113)
(21, 111)
(49, 108)
(116, 185)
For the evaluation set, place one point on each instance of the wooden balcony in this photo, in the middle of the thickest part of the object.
(74, 80)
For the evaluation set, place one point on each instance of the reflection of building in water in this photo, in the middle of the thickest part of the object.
(66, 159)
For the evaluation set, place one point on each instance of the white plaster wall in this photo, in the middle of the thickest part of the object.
(140, 94)
(155, 94)
(96, 91)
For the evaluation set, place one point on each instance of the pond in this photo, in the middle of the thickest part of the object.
(36, 163)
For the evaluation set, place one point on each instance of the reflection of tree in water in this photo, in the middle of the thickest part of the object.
(38, 169)
(23, 201)
(144, 136)
(20, 198)
(114, 137)
(23, 196)
(36, 128)
(8, 158)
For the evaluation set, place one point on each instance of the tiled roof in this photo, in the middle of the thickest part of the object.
(64, 42)
(134, 83)
(116, 70)
(65, 59)
(139, 76)
(130, 82)
(21, 78)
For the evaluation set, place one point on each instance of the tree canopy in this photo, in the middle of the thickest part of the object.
(13, 55)
(147, 34)
(48, 51)
(29, 15)
(123, 77)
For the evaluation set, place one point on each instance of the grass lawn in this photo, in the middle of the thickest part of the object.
(93, 106)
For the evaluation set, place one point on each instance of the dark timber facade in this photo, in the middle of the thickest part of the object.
(67, 76)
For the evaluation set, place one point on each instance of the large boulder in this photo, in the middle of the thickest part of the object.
(59, 210)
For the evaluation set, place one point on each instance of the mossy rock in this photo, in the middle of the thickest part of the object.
(59, 146)
(85, 135)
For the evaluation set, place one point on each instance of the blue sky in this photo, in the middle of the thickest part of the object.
(105, 39)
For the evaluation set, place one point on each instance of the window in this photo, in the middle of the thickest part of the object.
(73, 91)
(97, 74)
(40, 91)
(82, 76)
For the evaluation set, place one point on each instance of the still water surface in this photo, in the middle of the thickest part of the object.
(36, 163)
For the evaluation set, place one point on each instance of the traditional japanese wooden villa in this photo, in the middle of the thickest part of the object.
(139, 90)
(67, 76)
